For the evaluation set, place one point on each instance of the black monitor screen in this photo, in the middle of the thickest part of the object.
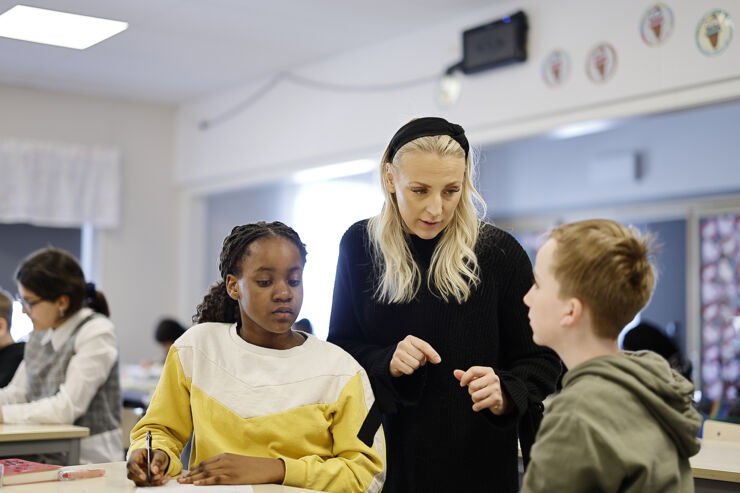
(498, 43)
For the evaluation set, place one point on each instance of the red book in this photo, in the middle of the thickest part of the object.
(19, 471)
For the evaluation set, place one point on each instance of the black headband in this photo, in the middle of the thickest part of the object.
(426, 127)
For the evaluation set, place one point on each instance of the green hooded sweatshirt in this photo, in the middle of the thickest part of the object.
(623, 422)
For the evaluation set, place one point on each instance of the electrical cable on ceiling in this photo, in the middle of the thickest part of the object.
(313, 84)
(235, 110)
(327, 86)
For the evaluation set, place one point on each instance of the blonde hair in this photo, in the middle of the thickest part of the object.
(608, 267)
(453, 271)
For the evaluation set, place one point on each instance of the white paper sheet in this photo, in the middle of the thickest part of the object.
(221, 488)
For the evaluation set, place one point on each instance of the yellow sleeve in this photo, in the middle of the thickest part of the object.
(169, 417)
(353, 466)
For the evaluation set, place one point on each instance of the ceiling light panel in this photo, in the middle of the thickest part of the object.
(57, 28)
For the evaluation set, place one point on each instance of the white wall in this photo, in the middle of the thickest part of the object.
(294, 127)
(269, 202)
(686, 154)
(138, 260)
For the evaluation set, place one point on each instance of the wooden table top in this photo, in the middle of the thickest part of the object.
(11, 432)
(718, 460)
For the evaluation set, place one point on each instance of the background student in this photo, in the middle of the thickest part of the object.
(11, 352)
(267, 404)
(167, 332)
(427, 281)
(69, 373)
(623, 421)
(647, 335)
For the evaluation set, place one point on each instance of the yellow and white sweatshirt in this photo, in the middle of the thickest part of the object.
(304, 405)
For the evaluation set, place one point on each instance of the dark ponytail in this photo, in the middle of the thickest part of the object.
(217, 305)
(96, 299)
(52, 272)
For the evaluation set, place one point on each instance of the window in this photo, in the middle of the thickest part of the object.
(322, 213)
(20, 324)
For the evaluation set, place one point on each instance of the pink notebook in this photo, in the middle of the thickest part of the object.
(19, 471)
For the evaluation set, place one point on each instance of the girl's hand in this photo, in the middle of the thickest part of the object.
(236, 469)
(137, 467)
(410, 354)
(484, 388)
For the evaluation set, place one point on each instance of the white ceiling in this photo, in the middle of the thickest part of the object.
(175, 50)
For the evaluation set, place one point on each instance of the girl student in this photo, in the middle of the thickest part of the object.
(266, 404)
(69, 373)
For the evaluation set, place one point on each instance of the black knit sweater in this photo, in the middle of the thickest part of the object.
(435, 441)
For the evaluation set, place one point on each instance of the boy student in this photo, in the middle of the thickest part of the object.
(11, 352)
(624, 421)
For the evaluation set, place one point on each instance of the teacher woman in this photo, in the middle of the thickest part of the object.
(428, 298)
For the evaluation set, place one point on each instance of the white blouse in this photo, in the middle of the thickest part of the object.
(95, 354)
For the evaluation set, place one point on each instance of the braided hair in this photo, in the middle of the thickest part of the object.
(217, 305)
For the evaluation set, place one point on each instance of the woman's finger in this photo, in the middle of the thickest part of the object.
(485, 393)
(467, 377)
(405, 347)
(484, 404)
(409, 360)
(483, 382)
(475, 372)
(401, 367)
(429, 352)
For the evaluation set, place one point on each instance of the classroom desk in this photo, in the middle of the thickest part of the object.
(115, 481)
(138, 383)
(717, 466)
(24, 439)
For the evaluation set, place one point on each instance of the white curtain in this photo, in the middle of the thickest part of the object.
(62, 185)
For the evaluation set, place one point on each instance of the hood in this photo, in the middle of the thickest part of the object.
(666, 394)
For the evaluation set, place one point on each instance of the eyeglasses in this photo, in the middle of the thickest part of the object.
(28, 305)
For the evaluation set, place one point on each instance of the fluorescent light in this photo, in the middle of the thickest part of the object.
(333, 171)
(57, 28)
(581, 128)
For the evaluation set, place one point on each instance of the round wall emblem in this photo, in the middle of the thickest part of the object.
(601, 63)
(714, 32)
(556, 68)
(656, 24)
